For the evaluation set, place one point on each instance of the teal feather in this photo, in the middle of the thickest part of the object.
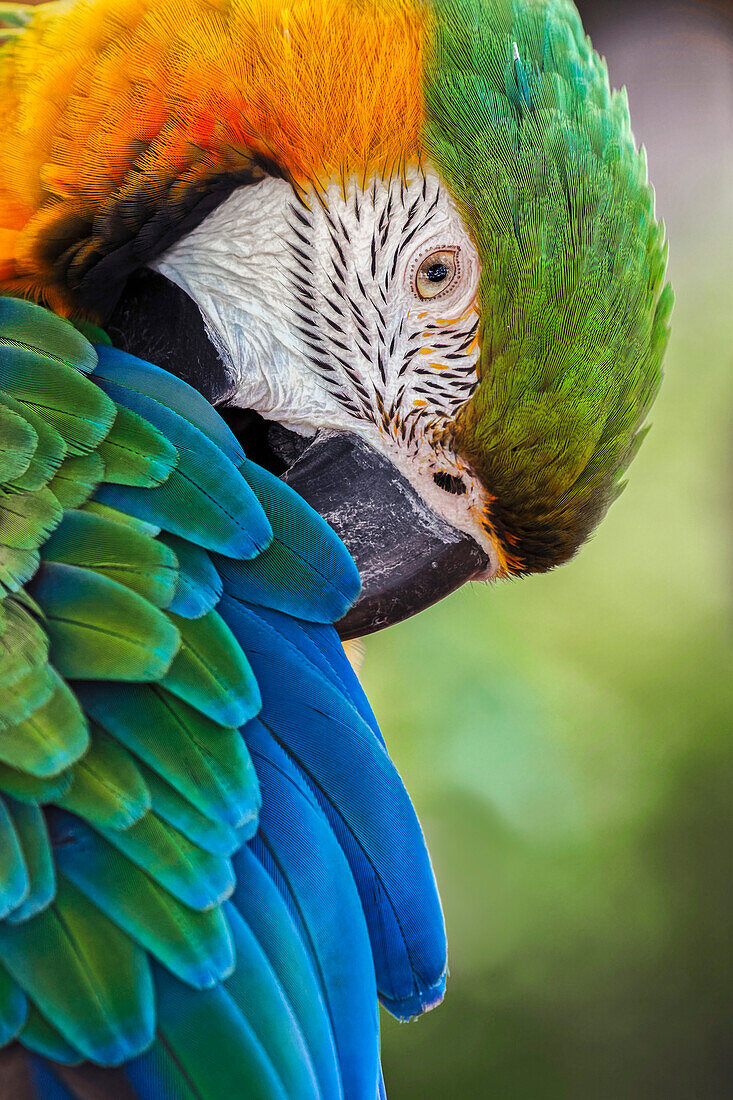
(27, 518)
(14, 880)
(32, 326)
(202, 1030)
(29, 788)
(176, 395)
(77, 479)
(30, 828)
(306, 571)
(213, 835)
(158, 1071)
(206, 763)
(196, 878)
(49, 451)
(195, 946)
(324, 580)
(94, 507)
(136, 453)
(16, 568)
(49, 739)
(117, 551)
(516, 83)
(13, 1007)
(43, 1038)
(21, 698)
(210, 671)
(18, 443)
(108, 786)
(72, 954)
(93, 333)
(100, 629)
(199, 585)
(24, 645)
(69, 402)
(205, 499)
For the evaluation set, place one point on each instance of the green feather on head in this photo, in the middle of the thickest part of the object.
(538, 153)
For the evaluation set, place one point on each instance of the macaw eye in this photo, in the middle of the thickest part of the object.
(436, 274)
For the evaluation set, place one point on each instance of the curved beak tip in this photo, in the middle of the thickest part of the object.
(407, 556)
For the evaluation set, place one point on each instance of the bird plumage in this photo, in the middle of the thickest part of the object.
(130, 797)
(539, 154)
(126, 126)
(204, 845)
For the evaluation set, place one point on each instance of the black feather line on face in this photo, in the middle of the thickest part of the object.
(342, 313)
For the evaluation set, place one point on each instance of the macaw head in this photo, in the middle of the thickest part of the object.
(407, 246)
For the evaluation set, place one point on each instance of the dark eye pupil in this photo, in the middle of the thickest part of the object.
(436, 273)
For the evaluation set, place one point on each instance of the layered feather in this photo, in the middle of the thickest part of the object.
(183, 102)
(174, 867)
(538, 153)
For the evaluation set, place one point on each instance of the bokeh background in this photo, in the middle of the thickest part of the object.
(567, 739)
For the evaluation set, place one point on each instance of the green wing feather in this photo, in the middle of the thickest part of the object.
(38, 328)
(100, 629)
(210, 833)
(109, 788)
(205, 762)
(29, 788)
(123, 554)
(124, 786)
(210, 671)
(18, 443)
(195, 945)
(42, 1037)
(35, 845)
(199, 586)
(135, 453)
(51, 737)
(78, 477)
(81, 413)
(13, 872)
(72, 953)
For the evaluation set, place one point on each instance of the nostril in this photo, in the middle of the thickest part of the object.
(451, 483)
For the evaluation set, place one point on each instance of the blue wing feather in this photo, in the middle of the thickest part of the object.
(373, 818)
(308, 866)
(271, 994)
(263, 907)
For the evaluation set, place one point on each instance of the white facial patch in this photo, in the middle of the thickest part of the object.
(350, 309)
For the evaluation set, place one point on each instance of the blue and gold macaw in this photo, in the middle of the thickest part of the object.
(278, 281)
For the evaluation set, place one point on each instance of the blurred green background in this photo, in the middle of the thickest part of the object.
(567, 738)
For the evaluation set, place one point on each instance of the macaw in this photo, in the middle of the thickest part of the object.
(311, 314)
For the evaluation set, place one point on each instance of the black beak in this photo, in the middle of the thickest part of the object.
(408, 557)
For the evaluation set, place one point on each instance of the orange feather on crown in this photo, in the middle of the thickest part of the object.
(124, 121)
